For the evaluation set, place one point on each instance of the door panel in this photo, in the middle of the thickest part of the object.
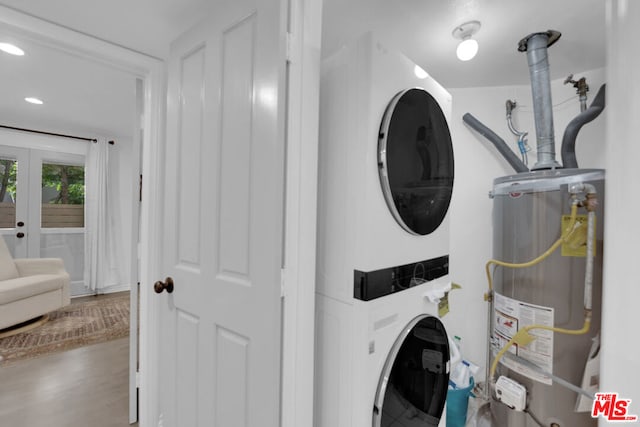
(187, 360)
(190, 154)
(236, 128)
(220, 339)
(56, 211)
(57, 219)
(231, 373)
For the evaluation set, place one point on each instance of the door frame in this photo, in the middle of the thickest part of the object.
(300, 210)
(150, 70)
(301, 190)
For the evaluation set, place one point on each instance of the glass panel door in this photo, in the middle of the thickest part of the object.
(8, 178)
(60, 178)
(13, 198)
(42, 197)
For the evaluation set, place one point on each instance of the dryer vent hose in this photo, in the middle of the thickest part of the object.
(498, 142)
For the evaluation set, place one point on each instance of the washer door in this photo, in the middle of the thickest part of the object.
(412, 389)
(415, 161)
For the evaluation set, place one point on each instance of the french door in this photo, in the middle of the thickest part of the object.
(42, 196)
(14, 177)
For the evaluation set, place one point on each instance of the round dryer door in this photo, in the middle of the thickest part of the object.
(415, 161)
(412, 389)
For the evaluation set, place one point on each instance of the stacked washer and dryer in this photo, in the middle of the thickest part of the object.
(386, 176)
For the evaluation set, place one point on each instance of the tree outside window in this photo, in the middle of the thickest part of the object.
(68, 182)
(8, 173)
(63, 194)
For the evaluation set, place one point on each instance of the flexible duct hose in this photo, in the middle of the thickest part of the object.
(568, 149)
(498, 142)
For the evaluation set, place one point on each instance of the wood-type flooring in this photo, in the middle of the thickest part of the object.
(84, 387)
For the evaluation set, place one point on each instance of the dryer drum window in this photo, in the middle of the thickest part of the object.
(415, 161)
(412, 388)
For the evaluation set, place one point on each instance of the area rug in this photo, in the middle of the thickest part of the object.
(94, 320)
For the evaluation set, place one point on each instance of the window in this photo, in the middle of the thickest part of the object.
(63, 194)
(8, 174)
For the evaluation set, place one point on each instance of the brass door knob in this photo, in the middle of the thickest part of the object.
(161, 286)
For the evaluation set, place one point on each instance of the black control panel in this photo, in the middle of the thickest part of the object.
(368, 285)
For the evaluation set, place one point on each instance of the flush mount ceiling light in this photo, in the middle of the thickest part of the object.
(33, 100)
(11, 49)
(468, 47)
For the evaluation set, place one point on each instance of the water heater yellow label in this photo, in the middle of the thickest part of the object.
(575, 242)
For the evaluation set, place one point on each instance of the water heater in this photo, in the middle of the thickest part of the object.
(530, 212)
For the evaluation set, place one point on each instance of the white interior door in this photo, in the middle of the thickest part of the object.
(220, 339)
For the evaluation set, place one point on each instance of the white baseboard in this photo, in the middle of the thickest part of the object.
(115, 288)
(79, 290)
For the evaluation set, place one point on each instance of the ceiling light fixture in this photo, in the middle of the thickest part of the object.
(11, 49)
(33, 100)
(468, 47)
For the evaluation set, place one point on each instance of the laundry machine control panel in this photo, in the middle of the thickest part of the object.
(368, 285)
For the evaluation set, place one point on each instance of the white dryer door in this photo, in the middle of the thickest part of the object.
(412, 389)
(415, 161)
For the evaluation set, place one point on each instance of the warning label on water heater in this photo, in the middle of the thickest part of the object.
(510, 316)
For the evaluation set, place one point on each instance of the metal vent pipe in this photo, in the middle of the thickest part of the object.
(535, 45)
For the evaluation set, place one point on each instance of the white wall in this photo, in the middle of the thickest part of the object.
(620, 357)
(477, 164)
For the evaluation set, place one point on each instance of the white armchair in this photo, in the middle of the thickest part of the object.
(30, 287)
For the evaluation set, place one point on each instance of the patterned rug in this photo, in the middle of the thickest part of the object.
(91, 321)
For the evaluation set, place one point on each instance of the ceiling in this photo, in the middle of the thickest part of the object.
(80, 94)
(422, 29)
(146, 26)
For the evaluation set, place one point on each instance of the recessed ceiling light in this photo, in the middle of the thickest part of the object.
(11, 49)
(34, 100)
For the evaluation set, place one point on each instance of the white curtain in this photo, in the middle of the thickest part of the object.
(102, 265)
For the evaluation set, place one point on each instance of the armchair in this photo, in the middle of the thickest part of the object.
(30, 287)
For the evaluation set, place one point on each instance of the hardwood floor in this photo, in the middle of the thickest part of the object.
(87, 386)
